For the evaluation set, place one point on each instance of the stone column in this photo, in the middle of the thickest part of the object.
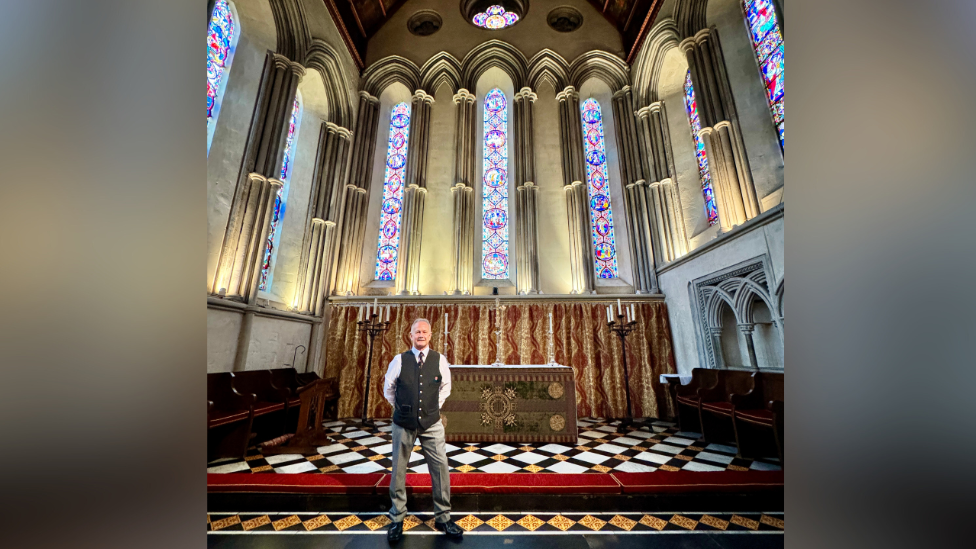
(526, 194)
(462, 244)
(747, 331)
(735, 194)
(243, 246)
(634, 185)
(666, 219)
(414, 196)
(716, 337)
(326, 208)
(356, 196)
(577, 197)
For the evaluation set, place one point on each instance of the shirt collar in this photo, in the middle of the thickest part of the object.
(416, 353)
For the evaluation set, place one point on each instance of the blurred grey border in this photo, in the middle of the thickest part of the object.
(103, 333)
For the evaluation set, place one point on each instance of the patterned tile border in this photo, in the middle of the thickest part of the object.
(497, 523)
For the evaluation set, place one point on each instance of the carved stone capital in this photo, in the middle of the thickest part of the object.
(643, 112)
(318, 221)
(280, 61)
(465, 96)
(688, 44)
(526, 93)
(297, 69)
(364, 95)
(421, 95)
(702, 35)
(747, 328)
(621, 92)
(568, 93)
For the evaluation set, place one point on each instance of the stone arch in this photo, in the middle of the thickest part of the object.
(779, 298)
(441, 69)
(386, 71)
(291, 21)
(323, 58)
(605, 66)
(647, 70)
(715, 298)
(548, 66)
(494, 53)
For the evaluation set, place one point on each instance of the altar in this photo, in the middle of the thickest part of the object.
(525, 403)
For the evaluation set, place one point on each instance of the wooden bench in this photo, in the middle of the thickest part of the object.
(758, 417)
(716, 406)
(260, 404)
(687, 400)
(230, 416)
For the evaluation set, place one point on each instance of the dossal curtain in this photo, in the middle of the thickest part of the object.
(582, 340)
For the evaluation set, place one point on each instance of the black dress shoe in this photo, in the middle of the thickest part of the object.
(395, 532)
(450, 528)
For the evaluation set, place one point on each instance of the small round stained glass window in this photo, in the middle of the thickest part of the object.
(495, 17)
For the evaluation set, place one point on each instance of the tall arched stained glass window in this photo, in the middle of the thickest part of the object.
(391, 210)
(767, 41)
(221, 40)
(271, 248)
(494, 233)
(691, 106)
(598, 184)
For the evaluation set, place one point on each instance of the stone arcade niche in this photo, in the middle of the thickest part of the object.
(739, 318)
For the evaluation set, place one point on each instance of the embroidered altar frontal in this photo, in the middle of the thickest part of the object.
(511, 404)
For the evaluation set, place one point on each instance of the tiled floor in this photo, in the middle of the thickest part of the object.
(495, 523)
(600, 449)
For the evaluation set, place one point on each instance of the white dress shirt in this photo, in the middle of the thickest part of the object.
(393, 372)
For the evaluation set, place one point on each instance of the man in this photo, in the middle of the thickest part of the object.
(417, 384)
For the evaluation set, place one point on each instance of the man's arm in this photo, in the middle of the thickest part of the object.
(389, 382)
(445, 390)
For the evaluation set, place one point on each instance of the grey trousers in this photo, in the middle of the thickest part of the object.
(432, 448)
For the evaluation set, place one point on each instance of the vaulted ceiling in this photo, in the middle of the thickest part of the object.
(358, 20)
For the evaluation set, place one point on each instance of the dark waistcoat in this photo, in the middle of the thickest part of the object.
(417, 391)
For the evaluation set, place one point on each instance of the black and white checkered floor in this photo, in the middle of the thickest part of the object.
(600, 449)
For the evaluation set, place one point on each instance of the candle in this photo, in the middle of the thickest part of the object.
(445, 324)
(632, 315)
(367, 311)
(609, 318)
(376, 307)
(359, 316)
(388, 307)
(619, 311)
(550, 323)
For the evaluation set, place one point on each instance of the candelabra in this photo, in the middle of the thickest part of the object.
(373, 327)
(622, 328)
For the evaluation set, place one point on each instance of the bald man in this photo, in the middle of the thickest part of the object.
(417, 383)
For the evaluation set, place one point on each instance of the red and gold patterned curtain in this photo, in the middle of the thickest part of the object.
(581, 340)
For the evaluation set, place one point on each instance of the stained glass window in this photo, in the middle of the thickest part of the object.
(598, 185)
(691, 106)
(221, 37)
(391, 209)
(767, 41)
(494, 249)
(270, 251)
(495, 17)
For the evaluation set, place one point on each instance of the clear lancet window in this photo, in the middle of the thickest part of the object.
(598, 185)
(221, 39)
(392, 208)
(691, 106)
(271, 248)
(767, 41)
(494, 249)
(495, 17)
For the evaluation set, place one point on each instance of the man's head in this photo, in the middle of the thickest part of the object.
(420, 333)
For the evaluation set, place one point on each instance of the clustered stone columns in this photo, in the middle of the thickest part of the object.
(635, 197)
(735, 194)
(526, 225)
(463, 193)
(356, 196)
(250, 216)
(577, 197)
(414, 195)
(317, 250)
(667, 223)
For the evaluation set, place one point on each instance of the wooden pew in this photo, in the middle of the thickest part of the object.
(758, 417)
(230, 416)
(716, 407)
(686, 398)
